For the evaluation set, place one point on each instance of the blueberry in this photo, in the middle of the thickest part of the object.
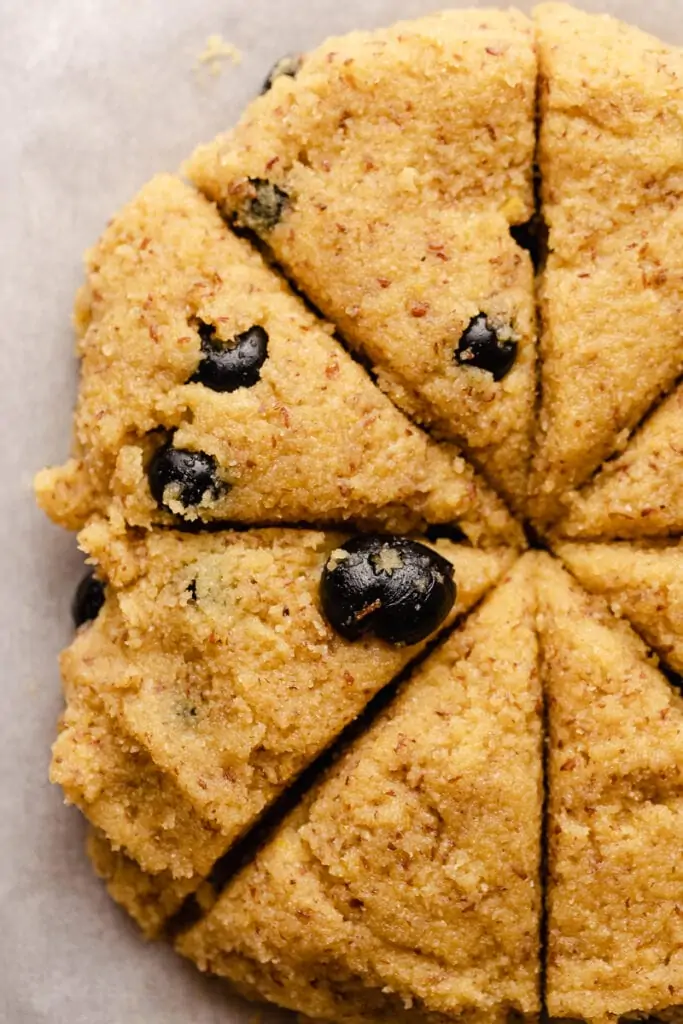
(487, 347)
(188, 475)
(532, 236)
(263, 208)
(287, 65)
(227, 366)
(87, 600)
(524, 235)
(398, 589)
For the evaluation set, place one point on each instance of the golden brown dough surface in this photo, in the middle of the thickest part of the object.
(615, 815)
(410, 876)
(611, 165)
(312, 440)
(401, 159)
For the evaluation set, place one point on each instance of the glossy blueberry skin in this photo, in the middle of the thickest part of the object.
(397, 589)
(480, 346)
(227, 366)
(195, 474)
(87, 600)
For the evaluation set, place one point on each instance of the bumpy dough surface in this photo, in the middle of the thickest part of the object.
(313, 440)
(107, 772)
(209, 680)
(615, 914)
(149, 899)
(643, 584)
(384, 177)
(639, 494)
(410, 877)
(406, 154)
(611, 164)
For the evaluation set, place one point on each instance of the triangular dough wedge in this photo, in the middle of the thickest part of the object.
(385, 177)
(640, 494)
(110, 776)
(309, 438)
(643, 584)
(611, 163)
(615, 816)
(149, 899)
(209, 680)
(406, 887)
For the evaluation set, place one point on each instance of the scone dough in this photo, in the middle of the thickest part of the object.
(611, 166)
(210, 679)
(410, 877)
(615, 814)
(312, 440)
(231, 447)
(400, 159)
(643, 583)
(639, 494)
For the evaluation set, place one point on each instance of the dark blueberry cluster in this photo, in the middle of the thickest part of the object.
(87, 600)
(227, 366)
(397, 589)
(182, 474)
(481, 345)
(192, 476)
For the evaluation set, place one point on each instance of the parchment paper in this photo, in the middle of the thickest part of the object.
(95, 97)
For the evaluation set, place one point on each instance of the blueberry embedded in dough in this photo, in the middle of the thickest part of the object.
(421, 842)
(488, 346)
(180, 477)
(611, 121)
(532, 236)
(88, 599)
(407, 154)
(227, 366)
(263, 206)
(397, 589)
(216, 686)
(315, 441)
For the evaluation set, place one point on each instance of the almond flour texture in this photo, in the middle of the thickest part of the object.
(642, 583)
(414, 867)
(149, 899)
(209, 680)
(615, 814)
(640, 494)
(396, 236)
(286, 516)
(611, 165)
(312, 440)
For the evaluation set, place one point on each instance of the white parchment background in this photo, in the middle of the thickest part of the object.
(96, 96)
